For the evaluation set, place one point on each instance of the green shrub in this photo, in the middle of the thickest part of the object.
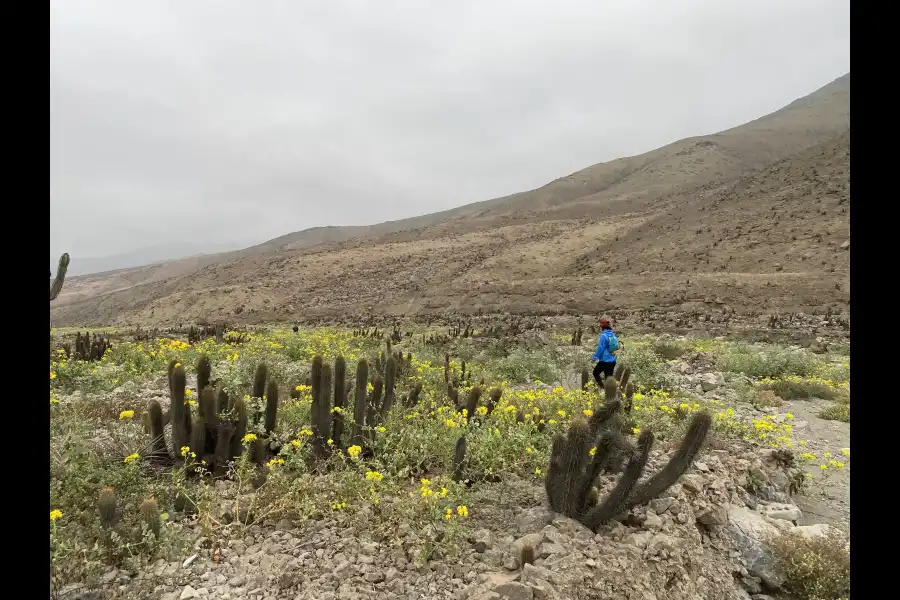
(647, 368)
(815, 568)
(774, 363)
(836, 411)
(801, 390)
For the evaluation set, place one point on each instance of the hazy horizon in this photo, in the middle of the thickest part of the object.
(217, 126)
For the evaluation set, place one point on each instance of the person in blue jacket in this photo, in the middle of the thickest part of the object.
(605, 355)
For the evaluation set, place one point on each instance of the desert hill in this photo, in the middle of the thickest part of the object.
(755, 217)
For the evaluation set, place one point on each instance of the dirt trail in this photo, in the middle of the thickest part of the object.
(827, 498)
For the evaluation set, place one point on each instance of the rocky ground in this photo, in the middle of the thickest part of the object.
(705, 538)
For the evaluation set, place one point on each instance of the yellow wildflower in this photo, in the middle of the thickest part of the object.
(374, 476)
(250, 437)
(55, 514)
(131, 458)
(588, 412)
(462, 511)
(126, 414)
(296, 443)
(354, 451)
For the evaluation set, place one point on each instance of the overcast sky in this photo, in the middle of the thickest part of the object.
(215, 123)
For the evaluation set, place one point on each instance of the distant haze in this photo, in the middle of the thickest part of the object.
(178, 128)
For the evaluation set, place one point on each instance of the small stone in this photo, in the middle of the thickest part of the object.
(188, 561)
(482, 540)
(661, 505)
(713, 517)
(284, 525)
(784, 512)
(374, 577)
(701, 466)
(187, 593)
(652, 521)
(692, 483)
(514, 591)
(533, 519)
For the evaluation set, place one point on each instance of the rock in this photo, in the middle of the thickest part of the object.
(692, 483)
(390, 575)
(709, 382)
(784, 512)
(750, 533)
(716, 516)
(374, 577)
(533, 519)
(532, 539)
(845, 245)
(661, 505)
(187, 593)
(188, 561)
(482, 540)
(652, 521)
(284, 525)
(514, 591)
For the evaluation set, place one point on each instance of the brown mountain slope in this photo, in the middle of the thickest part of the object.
(619, 234)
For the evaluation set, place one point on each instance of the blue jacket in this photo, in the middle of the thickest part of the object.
(602, 353)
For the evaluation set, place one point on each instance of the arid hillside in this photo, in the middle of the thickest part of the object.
(755, 217)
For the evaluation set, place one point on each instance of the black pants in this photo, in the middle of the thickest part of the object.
(606, 368)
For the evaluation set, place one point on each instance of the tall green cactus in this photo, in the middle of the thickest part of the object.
(271, 406)
(472, 402)
(56, 286)
(340, 398)
(107, 506)
(240, 427)
(459, 458)
(180, 412)
(158, 445)
(204, 372)
(322, 421)
(684, 456)
(390, 374)
(359, 412)
(572, 471)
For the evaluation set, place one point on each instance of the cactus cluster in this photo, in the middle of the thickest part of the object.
(198, 334)
(87, 348)
(573, 469)
(576, 337)
(110, 513)
(216, 432)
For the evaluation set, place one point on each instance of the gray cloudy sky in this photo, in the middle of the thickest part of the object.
(212, 123)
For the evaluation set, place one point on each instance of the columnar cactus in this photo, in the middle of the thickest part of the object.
(150, 516)
(56, 286)
(340, 399)
(572, 470)
(159, 448)
(107, 506)
(359, 413)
